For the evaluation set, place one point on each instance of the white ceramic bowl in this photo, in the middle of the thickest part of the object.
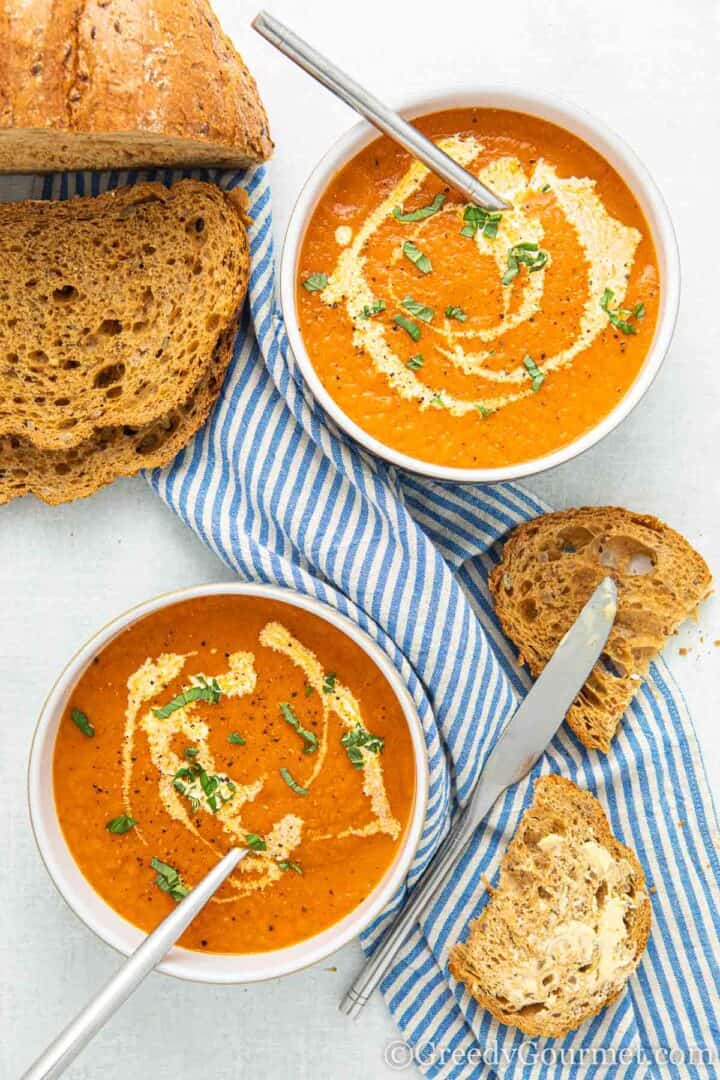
(121, 934)
(592, 131)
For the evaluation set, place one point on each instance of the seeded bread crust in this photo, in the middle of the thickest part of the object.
(549, 569)
(539, 892)
(99, 84)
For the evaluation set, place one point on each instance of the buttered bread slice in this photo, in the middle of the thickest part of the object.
(568, 923)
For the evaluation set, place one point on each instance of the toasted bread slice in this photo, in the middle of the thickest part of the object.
(568, 923)
(550, 567)
(121, 84)
(110, 307)
(58, 476)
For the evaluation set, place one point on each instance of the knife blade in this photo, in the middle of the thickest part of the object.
(521, 743)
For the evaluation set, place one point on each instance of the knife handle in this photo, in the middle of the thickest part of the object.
(420, 899)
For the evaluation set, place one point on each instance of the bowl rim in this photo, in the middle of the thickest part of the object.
(600, 137)
(123, 936)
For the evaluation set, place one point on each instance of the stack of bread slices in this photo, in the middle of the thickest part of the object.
(117, 312)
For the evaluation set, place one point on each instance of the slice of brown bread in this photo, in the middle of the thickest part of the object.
(549, 568)
(57, 476)
(110, 307)
(568, 923)
(119, 83)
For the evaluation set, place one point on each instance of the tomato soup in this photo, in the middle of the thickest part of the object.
(476, 340)
(234, 720)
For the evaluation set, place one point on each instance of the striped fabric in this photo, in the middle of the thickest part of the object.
(281, 496)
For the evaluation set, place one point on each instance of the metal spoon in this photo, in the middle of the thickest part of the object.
(392, 125)
(85, 1026)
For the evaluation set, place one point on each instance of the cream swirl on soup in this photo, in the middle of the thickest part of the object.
(424, 317)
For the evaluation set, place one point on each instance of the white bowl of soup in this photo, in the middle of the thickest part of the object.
(479, 347)
(230, 715)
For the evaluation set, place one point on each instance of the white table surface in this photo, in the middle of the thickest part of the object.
(649, 69)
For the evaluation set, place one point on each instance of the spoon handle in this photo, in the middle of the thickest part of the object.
(359, 99)
(85, 1026)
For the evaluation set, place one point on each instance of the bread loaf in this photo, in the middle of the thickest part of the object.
(99, 84)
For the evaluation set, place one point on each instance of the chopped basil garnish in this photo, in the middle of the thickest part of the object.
(359, 739)
(422, 212)
(80, 720)
(437, 402)
(191, 779)
(525, 254)
(476, 218)
(454, 312)
(425, 314)
(415, 362)
(309, 690)
(236, 738)
(620, 316)
(373, 309)
(484, 412)
(203, 690)
(191, 751)
(412, 328)
(255, 842)
(169, 880)
(120, 825)
(308, 737)
(537, 376)
(292, 784)
(412, 252)
(286, 864)
(315, 283)
(545, 187)
(329, 682)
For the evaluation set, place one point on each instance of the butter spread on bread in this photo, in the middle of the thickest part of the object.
(568, 922)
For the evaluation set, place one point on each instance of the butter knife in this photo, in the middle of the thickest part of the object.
(523, 740)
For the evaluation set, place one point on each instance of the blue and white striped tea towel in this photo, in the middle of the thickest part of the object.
(281, 496)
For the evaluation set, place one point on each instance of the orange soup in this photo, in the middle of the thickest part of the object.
(234, 720)
(476, 340)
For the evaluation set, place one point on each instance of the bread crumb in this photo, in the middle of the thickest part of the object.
(681, 823)
(684, 651)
